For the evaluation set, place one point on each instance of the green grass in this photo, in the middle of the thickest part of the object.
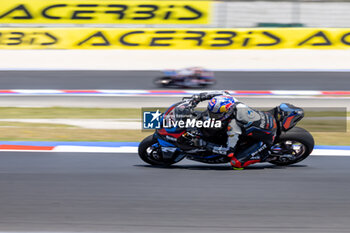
(10, 124)
(336, 139)
(69, 113)
(98, 113)
(70, 134)
(323, 125)
(19, 131)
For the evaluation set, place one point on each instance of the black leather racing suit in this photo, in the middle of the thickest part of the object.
(248, 122)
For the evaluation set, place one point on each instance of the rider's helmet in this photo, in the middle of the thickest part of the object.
(221, 107)
(197, 70)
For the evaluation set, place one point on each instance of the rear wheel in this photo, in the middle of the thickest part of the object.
(150, 152)
(292, 147)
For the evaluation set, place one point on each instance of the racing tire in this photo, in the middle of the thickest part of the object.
(299, 136)
(146, 152)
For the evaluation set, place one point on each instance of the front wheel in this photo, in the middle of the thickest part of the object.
(150, 152)
(163, 81)
(292, 147)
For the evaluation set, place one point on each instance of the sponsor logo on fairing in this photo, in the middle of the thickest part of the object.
(258, 151)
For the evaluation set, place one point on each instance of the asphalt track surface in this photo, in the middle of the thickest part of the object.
(92, 192)
(144, 80)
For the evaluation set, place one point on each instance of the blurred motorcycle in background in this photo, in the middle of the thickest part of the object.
(192, 77)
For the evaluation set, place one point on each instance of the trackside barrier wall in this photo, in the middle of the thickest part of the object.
(213, 14)
(141, 38)
(104, 12)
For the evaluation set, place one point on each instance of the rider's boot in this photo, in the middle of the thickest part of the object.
(253, 154)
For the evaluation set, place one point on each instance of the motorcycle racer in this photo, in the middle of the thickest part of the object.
(188, 77)
(240, 120)
(188, 74)
(240, 135)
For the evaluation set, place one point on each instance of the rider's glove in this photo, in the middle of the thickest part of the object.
(209, 95)
(196, 98)
(203, 96)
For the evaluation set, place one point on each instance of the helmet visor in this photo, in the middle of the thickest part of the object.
(217, 116)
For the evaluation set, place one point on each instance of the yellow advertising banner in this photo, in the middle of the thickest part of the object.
(140, 38)
(104, 12)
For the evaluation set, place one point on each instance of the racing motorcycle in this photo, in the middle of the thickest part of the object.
(291, 145)
(172, 78)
